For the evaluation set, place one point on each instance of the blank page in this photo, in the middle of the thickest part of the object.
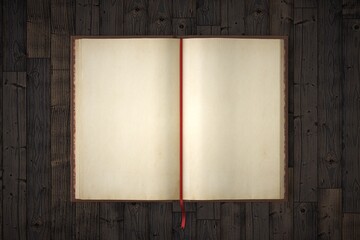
(234, 119)
(126, 119)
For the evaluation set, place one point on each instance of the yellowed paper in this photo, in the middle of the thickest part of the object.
(234, 119)
(127, 119)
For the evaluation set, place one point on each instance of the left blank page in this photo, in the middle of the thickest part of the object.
(126, 106)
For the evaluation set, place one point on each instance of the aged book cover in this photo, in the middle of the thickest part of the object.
(128, 134)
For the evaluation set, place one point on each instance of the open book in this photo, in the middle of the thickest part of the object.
(128, 133)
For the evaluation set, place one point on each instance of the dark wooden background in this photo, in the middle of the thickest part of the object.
(324, 118)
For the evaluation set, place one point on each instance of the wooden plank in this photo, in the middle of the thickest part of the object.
(14, 38)
(38, 149)
(208, 229)
(63, 17)
(282, 24)
(61, 227)
(111, 17)
(351, 8)
(111, 221)
(305, 224)
(135, 17)
(257, 221)
(208, 12)
(62, 26)
(190, 228)
(282, 215)
(14, 155)
(329, 94)
(87, 17)
(208, 30)
(38, 28)
(232, 17)
(160, 221)
(232, 220)
(87, 220)
(160, 17)
(87, 214)
(305, 3)
(184, 26)
(184, 8)
(351, 116)
(257, 17)
(329, 219)
(60, 52)
(208, 210)
(305, 105)
(136, 221)
(189, 206)
(351, 226)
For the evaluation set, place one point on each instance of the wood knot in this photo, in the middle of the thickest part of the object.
(161, 19)
(356, 27)
(302, 210)
(137, 9)
(181, 26)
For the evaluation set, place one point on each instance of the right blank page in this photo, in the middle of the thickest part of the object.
(234, 119)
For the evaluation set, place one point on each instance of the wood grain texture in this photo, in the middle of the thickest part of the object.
(305, 3)
(184, 26)
(329, 207)
(257, 221)
(329, 94)
(14, 155)
(63, 17)
(1, 121)
(136, 17)
(282, 214)
(232, 220)
(136, 221)
(112, 221)
(87, 221)
(184, 8)
(87, 17)
(351, 116)
(111, 17)
(257, 20)
(282, 24)
(208, 210)
(38, 166)
(160, 221)
(190, 228)
(351, 9)
(305, 221)
(160, 17)
(232, 17)
(189, 206)
(351, 226)
(61, 227)
(62, 26)
(208, 229)
(207, 12)
(305, 105)
(323, 45)
(38, 28)
(14, 38)
(208, 30)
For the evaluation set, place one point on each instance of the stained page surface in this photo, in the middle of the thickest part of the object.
(234, 119)
(126, 119)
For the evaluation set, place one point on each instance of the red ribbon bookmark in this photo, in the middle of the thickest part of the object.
(183, 214)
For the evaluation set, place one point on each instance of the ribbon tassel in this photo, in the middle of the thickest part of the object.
(183, 214)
